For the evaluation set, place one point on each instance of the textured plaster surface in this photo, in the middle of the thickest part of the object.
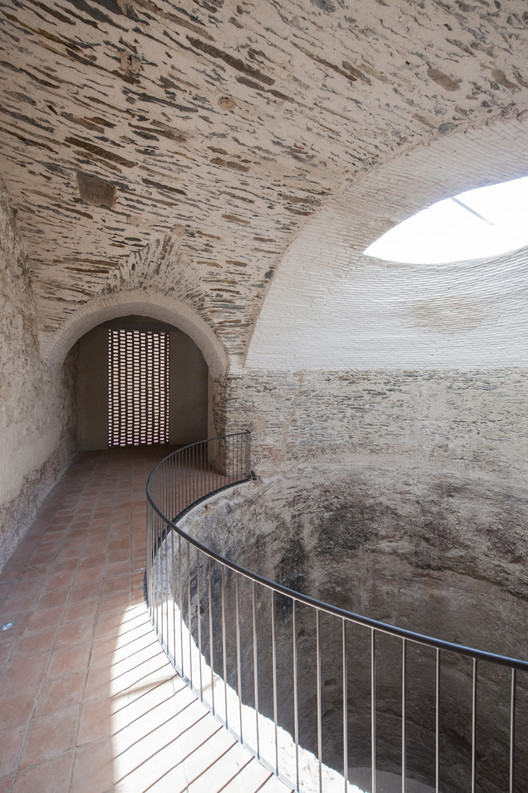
(35, 402)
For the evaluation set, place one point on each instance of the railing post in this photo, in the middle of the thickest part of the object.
(373, 709)
(248, 454)
(404, 718)
(512, 729)
(437, 722)
(345, 701)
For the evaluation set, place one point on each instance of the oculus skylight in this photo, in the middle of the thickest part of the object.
(480, 223)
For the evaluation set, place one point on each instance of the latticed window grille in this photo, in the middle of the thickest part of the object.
(138, 387)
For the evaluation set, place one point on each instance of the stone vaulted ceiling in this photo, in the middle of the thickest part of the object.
(183, 148)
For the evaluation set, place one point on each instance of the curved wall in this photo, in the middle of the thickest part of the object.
(331, 307)
(398, 545)
(445, 557)
(36, 404)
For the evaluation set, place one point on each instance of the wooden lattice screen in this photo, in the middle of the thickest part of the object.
(138, 387)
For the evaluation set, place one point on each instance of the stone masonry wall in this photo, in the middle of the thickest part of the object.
(36, 407)
(462, 422)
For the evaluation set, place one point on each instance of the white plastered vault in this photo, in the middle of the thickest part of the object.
(331, 307)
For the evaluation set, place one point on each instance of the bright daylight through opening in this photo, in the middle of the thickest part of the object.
(138, 388)
(476, 224)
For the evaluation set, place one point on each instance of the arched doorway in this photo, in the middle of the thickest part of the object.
(140, 381)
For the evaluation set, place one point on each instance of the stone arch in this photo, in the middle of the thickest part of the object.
(54, 347)
(341, 309)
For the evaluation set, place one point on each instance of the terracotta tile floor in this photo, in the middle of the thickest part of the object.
(88, 701)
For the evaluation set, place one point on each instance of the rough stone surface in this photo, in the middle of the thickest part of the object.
(395, 543)
(460, 422)
(96, 192)
(35, 403)
(225, 128)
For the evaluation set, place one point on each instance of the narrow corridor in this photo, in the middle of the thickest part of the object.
(88, 701)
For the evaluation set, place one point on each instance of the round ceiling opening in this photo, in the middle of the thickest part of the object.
(480, 223)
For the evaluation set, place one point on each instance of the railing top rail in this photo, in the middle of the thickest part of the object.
(190, 446)
(382, 627)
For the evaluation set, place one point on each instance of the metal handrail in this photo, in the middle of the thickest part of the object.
(320, 607)
(328, 608)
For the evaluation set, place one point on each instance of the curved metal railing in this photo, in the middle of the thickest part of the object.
(322, 696)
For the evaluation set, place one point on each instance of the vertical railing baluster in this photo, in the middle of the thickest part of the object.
(177, 487)
(165, 609)
(173, 576)
(159, 572)
(345, 702)
(255, 669)
(197, 473)
(437, 722)
(155, 520)
(373, 708)
(512, 728)
(319, 697)
(205, 472)
(211, 646)
(189, 612)
(214, 465)
(224, 645)
(404, 717)
(193, 474)
(168, 489)
(189, 478)
(248, 453)
(169, 537)
(163, 564)
(474, 728)
(169, 513)
(199, 621)
(188, 466)
(274, 670)
(148, 569)
(239, 663)
(180, 600)
(156, 573)
(184, 476)
(214, 476)
(295, 691)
